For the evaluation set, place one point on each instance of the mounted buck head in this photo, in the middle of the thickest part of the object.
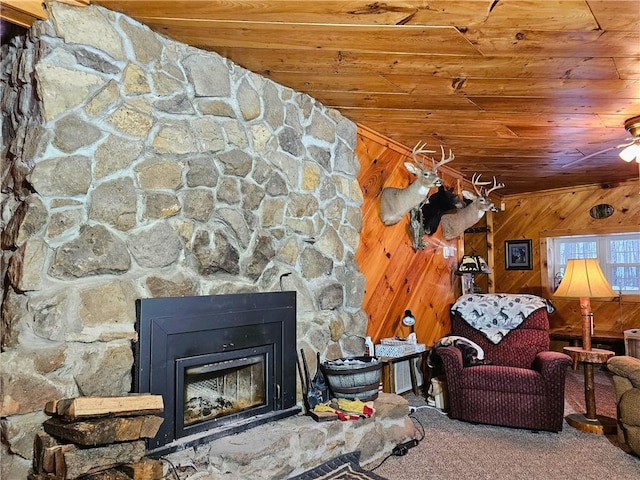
(454, 224)
(395, 203)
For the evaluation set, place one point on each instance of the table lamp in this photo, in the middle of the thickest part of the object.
(584, 279)
(469, 266)
(409, 320)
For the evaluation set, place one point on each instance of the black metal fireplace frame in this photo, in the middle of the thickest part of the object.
(178, 328)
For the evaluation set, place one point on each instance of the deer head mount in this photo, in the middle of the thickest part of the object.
(454, 224)
(395, 203)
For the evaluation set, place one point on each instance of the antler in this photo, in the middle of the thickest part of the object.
(420, 150)
(496, 186)
(475, 181)
(444, 160)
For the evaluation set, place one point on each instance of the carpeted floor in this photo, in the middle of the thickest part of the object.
(461, 450)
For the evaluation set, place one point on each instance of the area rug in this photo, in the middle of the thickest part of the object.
(574, 401)
(344, 467)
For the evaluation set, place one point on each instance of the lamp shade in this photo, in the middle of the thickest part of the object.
(630, 153)
(584, 279)
(472, 264)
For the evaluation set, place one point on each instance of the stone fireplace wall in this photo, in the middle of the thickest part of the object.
(135, 166)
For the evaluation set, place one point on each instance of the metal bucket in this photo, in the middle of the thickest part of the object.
(353, 377)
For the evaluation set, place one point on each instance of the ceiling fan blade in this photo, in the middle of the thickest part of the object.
(595, 154)
(578, 160)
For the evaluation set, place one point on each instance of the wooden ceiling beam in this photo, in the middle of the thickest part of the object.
(17, 17)
(429, 85)
(550, 15)
(448, 66)
(614, 121)
(25, 12)
(296, 36)
(537, 43)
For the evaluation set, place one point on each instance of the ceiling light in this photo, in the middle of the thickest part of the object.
(630, 153)
(632, 125)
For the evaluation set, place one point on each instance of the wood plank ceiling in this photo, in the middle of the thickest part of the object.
(516, 88)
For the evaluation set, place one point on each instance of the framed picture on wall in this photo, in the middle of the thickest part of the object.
(517, 255)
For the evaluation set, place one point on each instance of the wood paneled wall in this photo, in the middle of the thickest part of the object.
(397, 277)
(566, 212)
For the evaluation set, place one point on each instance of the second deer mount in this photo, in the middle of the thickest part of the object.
(454, 224)
(455, 217)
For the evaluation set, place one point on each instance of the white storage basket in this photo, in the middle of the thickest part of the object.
(399, 350)
(632, 342)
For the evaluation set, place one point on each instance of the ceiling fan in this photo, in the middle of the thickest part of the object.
(630, 150)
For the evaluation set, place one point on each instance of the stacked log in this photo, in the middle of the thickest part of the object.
(98, 438)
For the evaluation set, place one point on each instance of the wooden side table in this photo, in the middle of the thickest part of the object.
(388, 371)
(589, 421)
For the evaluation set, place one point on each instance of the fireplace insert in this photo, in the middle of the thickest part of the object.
(222, 363)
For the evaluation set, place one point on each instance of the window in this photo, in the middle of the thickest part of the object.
(618, 255)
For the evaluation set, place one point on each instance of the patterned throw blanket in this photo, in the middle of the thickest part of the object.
(495, 315)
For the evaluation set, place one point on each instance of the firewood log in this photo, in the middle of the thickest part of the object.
(41, 476)
(41, 441)
(146, 469)
(111, 474)
(84, 407)
(76, 462)
(103, 431)
(50, 454)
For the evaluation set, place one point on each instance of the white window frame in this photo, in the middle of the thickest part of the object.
(602, 242)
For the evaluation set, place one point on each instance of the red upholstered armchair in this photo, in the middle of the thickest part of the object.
(521, 383)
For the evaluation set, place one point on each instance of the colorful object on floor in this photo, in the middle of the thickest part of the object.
(346, 409)
(356, 406)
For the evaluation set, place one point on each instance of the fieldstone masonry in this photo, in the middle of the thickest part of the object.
(135, 166)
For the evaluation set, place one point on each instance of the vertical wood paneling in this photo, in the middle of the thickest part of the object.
(397, 277)
(565, 212)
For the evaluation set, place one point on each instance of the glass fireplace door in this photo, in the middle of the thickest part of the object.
(215, 387)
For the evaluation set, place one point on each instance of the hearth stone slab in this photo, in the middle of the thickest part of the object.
(288, 447)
